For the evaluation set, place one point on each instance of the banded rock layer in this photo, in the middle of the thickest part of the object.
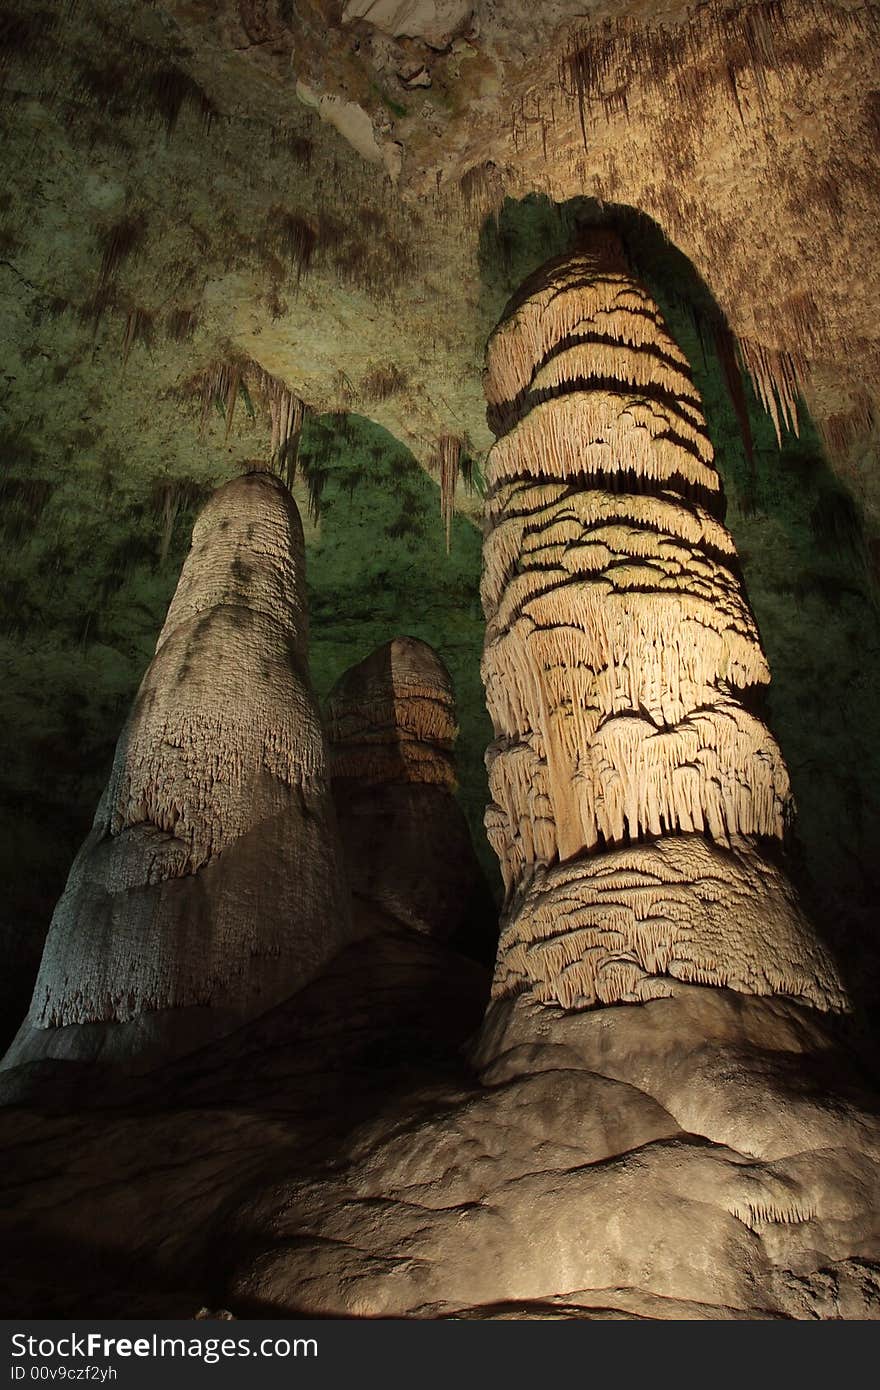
(209, 887)
(391, 718)
(392, 728)
(620, 664)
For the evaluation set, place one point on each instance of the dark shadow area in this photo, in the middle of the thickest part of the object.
(284, 1095)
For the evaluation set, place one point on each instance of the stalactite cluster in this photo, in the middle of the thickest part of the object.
(287, 412)
(603, 62)
(737, 64)
(381, 383)
(482, 190)
(291, 236)
(139, 328)
(778, 378)
(222, 383)
(619, 662)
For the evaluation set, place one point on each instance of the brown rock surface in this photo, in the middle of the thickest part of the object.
(620, 660)
(408, 851)
(209, 887)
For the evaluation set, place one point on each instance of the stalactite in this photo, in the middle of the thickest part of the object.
(287, 413)
(392, 718)
(181, 324)
(778, 380)
(603, 62)
(211, 387)
(118, 242)
(168, 500)
(482, 191)
(168, 89)
(139, 328)
(748, 58)
(447, 458)
(292, 236)
(383, 382)
(840, 430)
(220, 384)
(619, 646)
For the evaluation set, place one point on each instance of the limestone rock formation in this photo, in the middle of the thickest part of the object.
(210, 886)
(620, 664)
(435, 21)
(391, 718)
(660, 1161)
(408, 849)
(700, 1146)
(227, 225)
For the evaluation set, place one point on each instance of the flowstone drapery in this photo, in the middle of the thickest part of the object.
(209, 887)
(637, 794)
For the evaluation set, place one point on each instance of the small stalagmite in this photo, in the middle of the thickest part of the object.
(391, 718)
(392, 728)
(636, 792)
(210, 887)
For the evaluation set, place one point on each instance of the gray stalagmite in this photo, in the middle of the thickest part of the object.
(391, 731)
(209, 888)
(635, 789)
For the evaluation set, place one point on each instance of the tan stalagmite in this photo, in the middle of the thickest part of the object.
(391, 729)
(391, 718)
(209, 888)
(635, 790)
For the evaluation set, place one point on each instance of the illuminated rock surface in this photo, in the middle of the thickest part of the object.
(620, 655)
(251, 232)
(210, 887)
(710, 1153)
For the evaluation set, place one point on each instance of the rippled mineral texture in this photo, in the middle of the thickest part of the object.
(620, 665)
(210, 886)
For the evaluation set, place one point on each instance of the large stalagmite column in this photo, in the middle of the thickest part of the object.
(637, 796)
(209, 888)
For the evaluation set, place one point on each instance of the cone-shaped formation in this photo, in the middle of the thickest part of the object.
(407, 845)
(620, 652)
(392, 717)
(209, 883)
